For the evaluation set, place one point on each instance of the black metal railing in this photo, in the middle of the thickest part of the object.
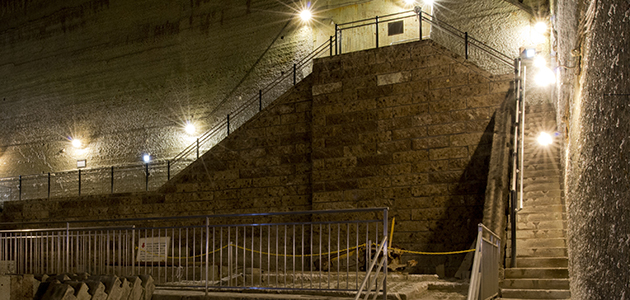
(353, 36)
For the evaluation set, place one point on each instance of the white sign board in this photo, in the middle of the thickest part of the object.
(153, 249)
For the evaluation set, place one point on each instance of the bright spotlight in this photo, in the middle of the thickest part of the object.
(146, 158)
(540, 27)
(410, 2)
(540, 62)
(428, 2)
(306, 15)
(544, 139)
(190, 128)
(545, 77)
(76, 143)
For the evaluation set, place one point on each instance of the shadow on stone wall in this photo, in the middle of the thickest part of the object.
(464, 210)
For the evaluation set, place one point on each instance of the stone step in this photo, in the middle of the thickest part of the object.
(536, 273)
(554, 206)
(537, 202)
(542, 172)
(541, 234)
(541, 186)
(525, 216)
(542, 262)
(536, 252)
(528, 179)
(547, 284)
(535, 294)
(537, 225)
(556, 193)
(540, 243)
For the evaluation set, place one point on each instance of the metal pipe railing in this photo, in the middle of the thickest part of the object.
(484, 279)
(294, 251)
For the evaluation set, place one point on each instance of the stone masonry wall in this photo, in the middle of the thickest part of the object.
(407, 127)
(410, 128)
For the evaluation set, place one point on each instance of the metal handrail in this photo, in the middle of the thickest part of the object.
(367, 283)
(484, 277)
(186, 251)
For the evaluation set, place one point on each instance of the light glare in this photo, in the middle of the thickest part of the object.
(544, 139)
(410, 2)
(540, 62)
(306, 15)
(76, 143)
(190, 128)
(146, 158)
(428, 2)
(545, 77)
(540, 27)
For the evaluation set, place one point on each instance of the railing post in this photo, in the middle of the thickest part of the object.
(112, 177)
(294, 74)
(376, 32)
(133, 253)
(515, 168)
(146, 176)
(466, 43)
(259, 100)
(208, 251)
(330, 43)
(67, 247)
(20, 188)
(385, 252)
(419, 11)
(228, 124)
(79, 182)
(168, 170)
(48, 185)
(198, 147)
(336, 38)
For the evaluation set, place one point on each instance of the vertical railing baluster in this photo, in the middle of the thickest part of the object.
(376, 24)
(198, 140)
(228, 124)
(294, 74)
(336, 39)
(112, 179)
(168, 170)
(20, 188)
(466, 44)
(48, 185)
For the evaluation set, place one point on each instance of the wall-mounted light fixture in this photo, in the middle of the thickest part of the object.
(190, 128)
(76, 143)
(146, 158)
(544, 139)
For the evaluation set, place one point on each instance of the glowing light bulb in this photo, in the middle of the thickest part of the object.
(540, 27)
(545, 77)
(306, 15)
(76, 143)
(146, 158)
(190, 128)
(544, 139)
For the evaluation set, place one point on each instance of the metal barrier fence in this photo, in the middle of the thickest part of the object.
(312, 250)
(353, 36)
(484, 279)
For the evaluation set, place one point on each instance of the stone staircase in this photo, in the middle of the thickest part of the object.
(541, 260)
